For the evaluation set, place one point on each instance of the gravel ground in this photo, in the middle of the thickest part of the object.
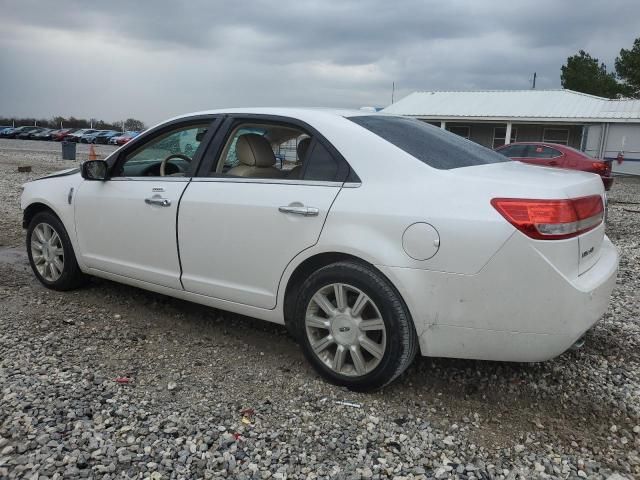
(114, 382)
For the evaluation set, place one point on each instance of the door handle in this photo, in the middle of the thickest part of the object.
(162, 202)
(300, 210)
(553, 163)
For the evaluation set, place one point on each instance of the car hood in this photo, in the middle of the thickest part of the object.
(61, 173)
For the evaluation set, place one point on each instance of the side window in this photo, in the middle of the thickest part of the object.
(514, 151)
(231, 157)
(538, 151)
(321, 166)
(169, 154)
(277, 151)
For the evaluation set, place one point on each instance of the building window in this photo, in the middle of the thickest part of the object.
(556, 135)
(500, 134)
(464, 132)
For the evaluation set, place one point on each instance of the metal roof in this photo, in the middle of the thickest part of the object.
(533, 105)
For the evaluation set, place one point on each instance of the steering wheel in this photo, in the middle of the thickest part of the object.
(166, 160)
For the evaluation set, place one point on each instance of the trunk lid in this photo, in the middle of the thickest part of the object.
(572, 256)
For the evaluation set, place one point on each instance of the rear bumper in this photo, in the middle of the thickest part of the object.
(517, 308)
(608, 182)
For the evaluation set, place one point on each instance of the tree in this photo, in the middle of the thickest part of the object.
(133, 124)
(628, 69)
(585, 74)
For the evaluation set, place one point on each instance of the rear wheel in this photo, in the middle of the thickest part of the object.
(354, 327)
(50, 253)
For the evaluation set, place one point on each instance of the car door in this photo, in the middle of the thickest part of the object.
(126, 225)
(514, 152)
(544, 155)
(237, 233)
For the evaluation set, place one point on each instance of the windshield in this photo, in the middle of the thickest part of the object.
(431, 145)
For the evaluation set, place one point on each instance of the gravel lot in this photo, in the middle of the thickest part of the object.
(115, 382)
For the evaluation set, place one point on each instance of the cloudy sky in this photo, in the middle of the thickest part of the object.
(153, 59)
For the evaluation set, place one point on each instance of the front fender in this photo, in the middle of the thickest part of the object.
(56, 194)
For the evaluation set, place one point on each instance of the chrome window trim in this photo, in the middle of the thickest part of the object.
(275, 181)
(149, 179)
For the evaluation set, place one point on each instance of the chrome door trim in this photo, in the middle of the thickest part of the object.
(274, 181)
(149, 179)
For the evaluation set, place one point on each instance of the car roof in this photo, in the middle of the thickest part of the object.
(546, 144)
(301, 113)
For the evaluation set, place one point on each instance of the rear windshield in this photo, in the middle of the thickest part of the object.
(431, 145)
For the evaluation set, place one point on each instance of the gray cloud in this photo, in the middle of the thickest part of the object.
(155, 59)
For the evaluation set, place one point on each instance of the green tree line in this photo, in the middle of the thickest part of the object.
(73, 122)
(584, 73)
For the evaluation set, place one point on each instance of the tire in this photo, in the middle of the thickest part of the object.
(69, 276)
(369, 338)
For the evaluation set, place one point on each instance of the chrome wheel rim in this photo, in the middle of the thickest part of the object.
(47, 252)
(345, 330)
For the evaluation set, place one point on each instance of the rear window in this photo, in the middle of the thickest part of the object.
(431, 145)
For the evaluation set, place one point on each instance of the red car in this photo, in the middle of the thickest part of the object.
(60, 135)
(124, 138)
(555, 155)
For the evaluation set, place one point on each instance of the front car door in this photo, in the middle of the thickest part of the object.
(126, 225)
(262, 199)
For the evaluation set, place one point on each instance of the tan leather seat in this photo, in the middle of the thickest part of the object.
(301, 150)
(256, 158)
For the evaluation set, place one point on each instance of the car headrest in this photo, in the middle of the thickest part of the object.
(254, 151)
(303, 146)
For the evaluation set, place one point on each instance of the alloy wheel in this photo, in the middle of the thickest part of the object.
(345, 329)
(47, 252)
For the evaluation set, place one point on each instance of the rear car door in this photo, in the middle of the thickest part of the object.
(126, 225)
(543, 155)
(240, 225)
(514, 152)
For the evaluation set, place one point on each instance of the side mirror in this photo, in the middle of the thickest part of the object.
(94, 170)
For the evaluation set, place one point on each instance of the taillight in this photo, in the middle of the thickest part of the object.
(552, 219)
(602, 168)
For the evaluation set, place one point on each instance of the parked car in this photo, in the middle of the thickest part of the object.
(77, 135)
(26, 134)
(44, 134)
(89, 135)
(389, 237)
(6, 132)
(54, 133)
(556, 155)
(123, 138)
(61, 135)
(105, 136)
(40, 134)
(19, 130)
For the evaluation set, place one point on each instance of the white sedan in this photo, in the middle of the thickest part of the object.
(371, 237)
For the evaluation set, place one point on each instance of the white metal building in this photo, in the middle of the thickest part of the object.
(601, 127)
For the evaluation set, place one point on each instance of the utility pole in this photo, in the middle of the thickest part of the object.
(534, 80)
(393, 90)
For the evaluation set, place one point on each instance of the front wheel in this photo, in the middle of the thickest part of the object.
(50, 253)
(354, 327)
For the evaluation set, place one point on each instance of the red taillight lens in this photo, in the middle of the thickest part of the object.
(551, 219)
(602, 168)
